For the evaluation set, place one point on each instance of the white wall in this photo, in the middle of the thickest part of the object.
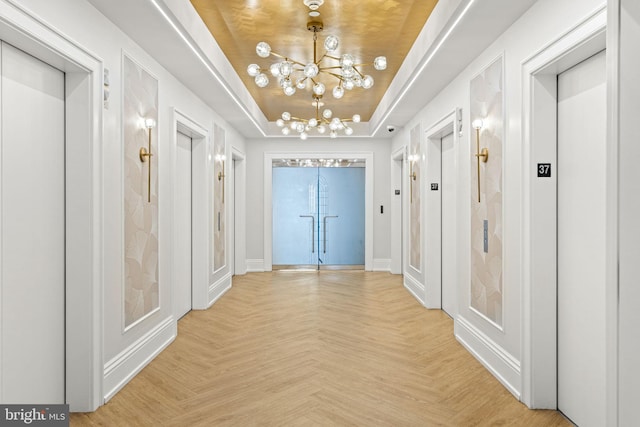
(627, 33)
(126, 353)
(255, 177)
(499, 350)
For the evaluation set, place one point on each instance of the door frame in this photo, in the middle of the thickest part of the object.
(432, 258)
(199, 207)
(238, 205)
(539, 239)
(84, 364)
(367, 156)
(398, 220)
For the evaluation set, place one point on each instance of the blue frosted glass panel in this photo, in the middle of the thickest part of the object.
(342, 194)
(293, 195)
(333, 197)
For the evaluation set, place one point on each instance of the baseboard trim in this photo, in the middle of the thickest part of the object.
(255, 266)
(415, 288)
(218, 289)
(497, 360)
(126, 365)
(382, 265)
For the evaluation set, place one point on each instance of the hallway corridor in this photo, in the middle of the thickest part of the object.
(323, 349)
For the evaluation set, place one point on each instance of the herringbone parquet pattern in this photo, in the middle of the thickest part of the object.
(316, 349)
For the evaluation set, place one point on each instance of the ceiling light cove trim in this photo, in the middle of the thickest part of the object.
(429, 55)
(163, 9)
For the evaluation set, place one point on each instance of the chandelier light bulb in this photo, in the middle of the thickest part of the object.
(348, 131)
(356, 118)
(333, 134)
(300, 127)
(348, 84)
(380, 63)
(338, 92)
(321, 129)
(285, 131)
(253, 70)
(301, 83)
(280, 123)
(311, 70)
(327, 114)
(313, 122)
(318, 88)
(331, 43)
(367, 82)
(286, 116)
(289, 90)
(262, 80)
(286, 68)
(275, 69)
(263, 49)
(303, 135)
(346, 61)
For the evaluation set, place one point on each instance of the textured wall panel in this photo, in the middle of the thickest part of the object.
(140, 216)
(486, 267)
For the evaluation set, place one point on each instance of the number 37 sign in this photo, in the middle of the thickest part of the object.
(544, 170)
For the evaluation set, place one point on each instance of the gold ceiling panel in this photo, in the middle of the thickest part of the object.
(366, 29)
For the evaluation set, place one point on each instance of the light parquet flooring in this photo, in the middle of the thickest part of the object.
(316, 349)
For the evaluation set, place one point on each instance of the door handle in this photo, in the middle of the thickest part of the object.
(313, 232)
(324, 231)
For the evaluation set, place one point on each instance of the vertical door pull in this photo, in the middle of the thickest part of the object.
(324, 231)
(313, 232)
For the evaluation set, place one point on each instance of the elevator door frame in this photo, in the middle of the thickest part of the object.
(84, 372)
(539, 285)
(365, 156)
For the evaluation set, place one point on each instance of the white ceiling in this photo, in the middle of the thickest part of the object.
(456, 32)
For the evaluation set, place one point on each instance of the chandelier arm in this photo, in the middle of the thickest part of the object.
(277, 55)
(359, 73)
(337, 76)
(332, 57)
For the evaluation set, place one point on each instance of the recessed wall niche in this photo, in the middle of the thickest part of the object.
(140, 141)
(219, 198)
(415, 242)
(487, 132)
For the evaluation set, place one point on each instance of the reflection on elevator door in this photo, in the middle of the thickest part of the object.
(318, 217)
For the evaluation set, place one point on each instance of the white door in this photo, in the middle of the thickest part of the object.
(182, 288)
(32, 231)
(448, 215)
(581, 241)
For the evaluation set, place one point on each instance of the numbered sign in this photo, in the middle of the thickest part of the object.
(544, 170)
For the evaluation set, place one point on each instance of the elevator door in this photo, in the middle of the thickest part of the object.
(581, 242)
(318, 217)
(32, 253)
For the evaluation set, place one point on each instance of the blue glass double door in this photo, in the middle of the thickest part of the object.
(318, 217)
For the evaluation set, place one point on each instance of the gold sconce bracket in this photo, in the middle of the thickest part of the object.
(483, 155)
(145, 154)
(412, 176)
(480, 154)
(221, 177)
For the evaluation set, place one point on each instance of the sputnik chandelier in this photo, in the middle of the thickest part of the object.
(289, 71)
(292, 75)
(320, 122)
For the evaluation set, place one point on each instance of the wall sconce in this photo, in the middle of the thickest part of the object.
(480, 154)
(221, 174)
(145, 154)
(412, 174)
